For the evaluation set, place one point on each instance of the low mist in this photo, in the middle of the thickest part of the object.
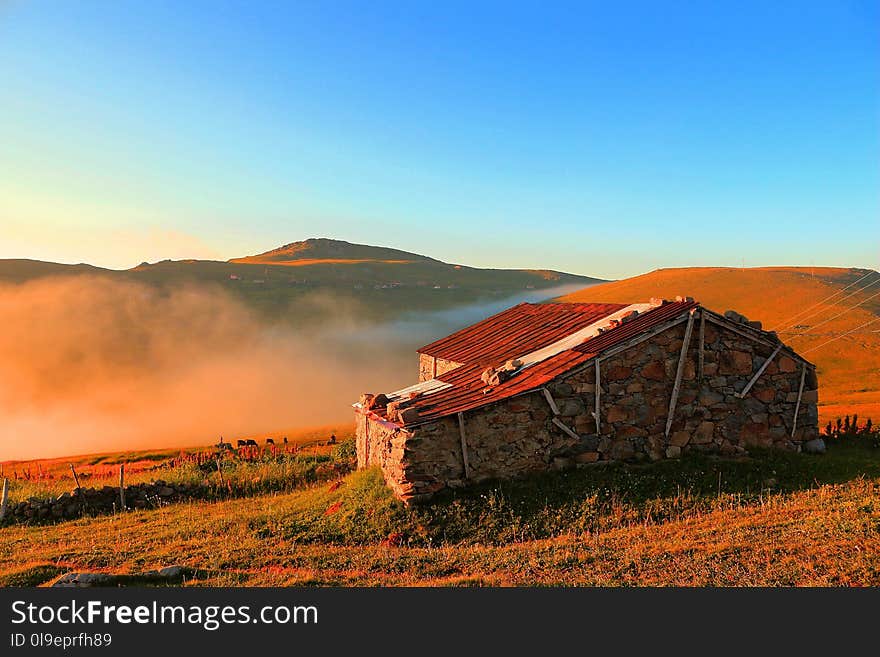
(90, 364)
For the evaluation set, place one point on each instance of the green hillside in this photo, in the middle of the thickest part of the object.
(380, 280)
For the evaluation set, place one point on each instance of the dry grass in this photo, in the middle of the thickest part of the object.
(849, 368)
(621, 526)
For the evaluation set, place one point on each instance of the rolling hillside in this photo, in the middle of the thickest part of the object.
(382, 281)
(809, 307)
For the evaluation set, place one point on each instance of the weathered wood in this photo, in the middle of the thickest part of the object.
(702, 344)
(760, 371)
(562, 426)
(647, 335)
(726, 323)
(75, 478)
(464, 450)
(597, 414)
(550, 401)
(4, 501)
(433, 367)
(122, 487)
(797, 406)
(676, 387)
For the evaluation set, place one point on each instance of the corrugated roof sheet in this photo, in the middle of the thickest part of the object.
(467, 390)
(516, 331)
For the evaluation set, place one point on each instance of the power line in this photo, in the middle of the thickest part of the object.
(844, 312)
(876, 319)
(837, 303)
(785, 324)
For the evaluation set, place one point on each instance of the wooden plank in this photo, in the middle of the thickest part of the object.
(760, 371)
(122, 487)
(702, 344)
(464, 451)
(4, 501)
(673, 400)
(725, 323)
(550, 401)
(797, 407)
(562, 426)
(75, 478)
(433, 367)
(597, 414)
(647, 335)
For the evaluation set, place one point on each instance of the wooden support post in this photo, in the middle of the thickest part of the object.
(597, 414)
(433, 367)
(464, 451)
(797, 406)
(562, 426)
(4, 501)
(550, 401)
(702, 345)
(75, 478)
(673, 400)
(122, 487)
(760, 371)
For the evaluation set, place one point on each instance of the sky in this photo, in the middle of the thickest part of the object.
(605, 139)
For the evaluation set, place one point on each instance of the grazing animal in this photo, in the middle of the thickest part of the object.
(269, 441)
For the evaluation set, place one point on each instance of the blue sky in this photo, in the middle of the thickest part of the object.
(598, 138)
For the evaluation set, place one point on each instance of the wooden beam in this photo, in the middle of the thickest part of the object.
(647, 335)
(464, 450)
(760, 371)
(673, 400)
(797, 407)
(726, 323)
(73, 471)
(562, 426)
(597, 414)
(122, 487)
(4, 501)
(433, 367)
(550, 401)
(702, 344)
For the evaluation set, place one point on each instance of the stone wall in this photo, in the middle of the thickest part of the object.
(427, 365)
(517, 436)
(381, 443)
(96, 501)
(637, 385)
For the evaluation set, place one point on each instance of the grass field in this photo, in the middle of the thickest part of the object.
(795, 301)
(774, 518)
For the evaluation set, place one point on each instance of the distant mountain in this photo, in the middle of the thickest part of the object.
(323, 249)
(808, 306)
(384, 281)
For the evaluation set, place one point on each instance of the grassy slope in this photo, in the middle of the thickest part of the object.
(849, 368)
(274, 282)
(774, 519)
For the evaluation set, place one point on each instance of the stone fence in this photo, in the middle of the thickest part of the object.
(97, 501)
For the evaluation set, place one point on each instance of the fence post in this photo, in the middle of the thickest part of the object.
(75, 478)
(122, 486)
(5, 500)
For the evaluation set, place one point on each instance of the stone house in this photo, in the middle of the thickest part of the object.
(540, 387)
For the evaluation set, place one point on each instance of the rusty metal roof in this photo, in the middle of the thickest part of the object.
(516, 331)
(468, 391)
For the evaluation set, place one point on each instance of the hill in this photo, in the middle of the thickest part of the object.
(382, 281)
(322, 249)
(827, 314)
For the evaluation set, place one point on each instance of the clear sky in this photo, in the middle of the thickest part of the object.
(605, 138)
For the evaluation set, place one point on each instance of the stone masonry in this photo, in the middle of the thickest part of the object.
(431, 367)
(518, 435)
